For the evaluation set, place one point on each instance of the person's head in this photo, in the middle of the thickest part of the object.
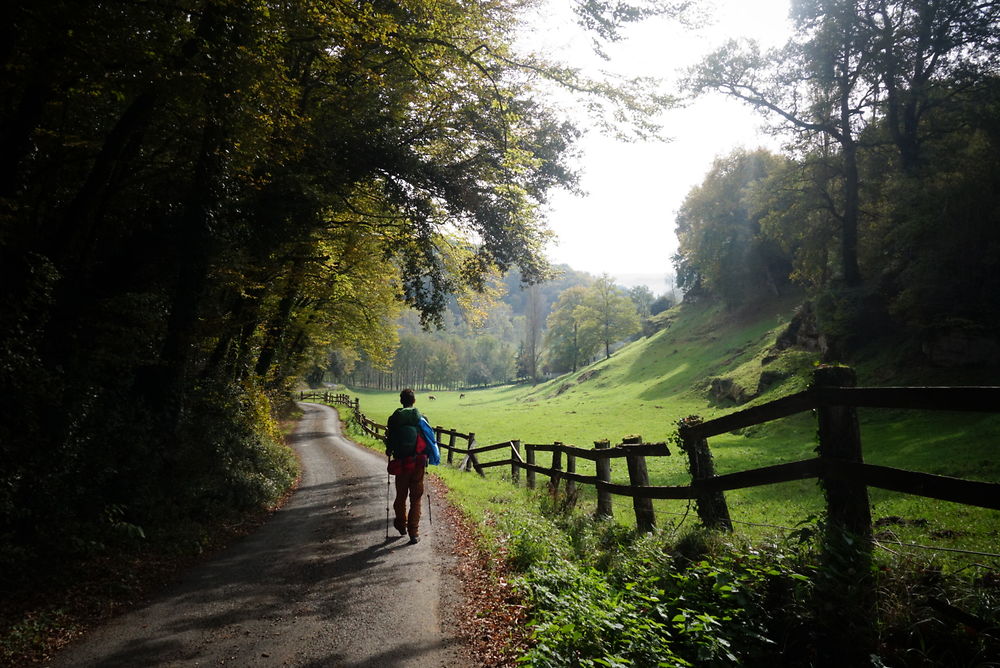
(406, 398)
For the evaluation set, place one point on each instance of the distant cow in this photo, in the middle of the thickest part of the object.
(462, 396)
(431, 397)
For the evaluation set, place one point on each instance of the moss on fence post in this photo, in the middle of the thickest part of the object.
(712, 507)
(603, 465)
(845, 586)
(638, 476)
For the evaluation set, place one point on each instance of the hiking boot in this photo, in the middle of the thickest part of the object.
(400, 526)
(414, 540)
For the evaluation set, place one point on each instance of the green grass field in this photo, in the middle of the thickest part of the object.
(650, 384)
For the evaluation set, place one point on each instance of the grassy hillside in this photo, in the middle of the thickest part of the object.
(647, 386)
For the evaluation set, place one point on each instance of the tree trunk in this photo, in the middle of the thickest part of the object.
(192, 274)
(849, 232)
(279, 322)
(80, 223)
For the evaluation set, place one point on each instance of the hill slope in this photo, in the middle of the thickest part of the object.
(702, 356)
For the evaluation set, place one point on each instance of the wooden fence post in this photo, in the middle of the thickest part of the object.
(570, 483)
(847, 593)
(529, 453)
(603, 466)
(515, 470)
(556, 469)
(451, 447)
(470, 459)
(712, 508)
(638, 476)
(847, 501)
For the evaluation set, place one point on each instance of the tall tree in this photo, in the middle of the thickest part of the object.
(815, 87)
(608, 309)
(860, 64)
(533, 323)
(722, 249)
(642, 297)
(930, 55)
(571, 336)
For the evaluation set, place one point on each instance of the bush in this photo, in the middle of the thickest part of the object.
(603, 595)
(230, 458)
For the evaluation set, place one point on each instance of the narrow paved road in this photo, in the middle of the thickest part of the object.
(318, 585)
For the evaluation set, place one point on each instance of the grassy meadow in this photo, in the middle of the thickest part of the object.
(647, 386)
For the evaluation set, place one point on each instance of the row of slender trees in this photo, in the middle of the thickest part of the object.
(582, 323)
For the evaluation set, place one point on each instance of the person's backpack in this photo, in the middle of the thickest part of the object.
(402, 431)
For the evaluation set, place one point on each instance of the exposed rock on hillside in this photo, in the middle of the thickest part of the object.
(563, 388)
(803, 332)
(725, 389)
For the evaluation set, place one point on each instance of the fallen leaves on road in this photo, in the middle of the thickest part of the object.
(493, 619)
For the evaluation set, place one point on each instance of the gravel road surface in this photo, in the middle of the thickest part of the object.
(317, 585)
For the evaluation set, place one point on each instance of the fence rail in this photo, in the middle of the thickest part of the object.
(708, 488)
(848, 596)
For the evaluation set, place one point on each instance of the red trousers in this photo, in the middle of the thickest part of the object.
(409, 483)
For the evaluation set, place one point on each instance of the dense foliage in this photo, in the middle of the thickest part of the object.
(200, 198)
(886, 205)
(600, 594)
(723, 250)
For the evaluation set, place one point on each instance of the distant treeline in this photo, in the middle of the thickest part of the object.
(527, 334)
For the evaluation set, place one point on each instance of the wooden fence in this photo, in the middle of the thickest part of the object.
(839, 463)
(845, 597)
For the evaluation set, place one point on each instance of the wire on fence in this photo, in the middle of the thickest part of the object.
(876, 542)
(752, 524)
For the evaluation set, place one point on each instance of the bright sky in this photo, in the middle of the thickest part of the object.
(624, 226)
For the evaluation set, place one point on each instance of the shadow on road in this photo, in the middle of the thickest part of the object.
(309, 588)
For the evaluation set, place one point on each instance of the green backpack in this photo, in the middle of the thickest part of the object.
(401, 432)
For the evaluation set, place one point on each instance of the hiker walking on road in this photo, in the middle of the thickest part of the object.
(410, 444)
